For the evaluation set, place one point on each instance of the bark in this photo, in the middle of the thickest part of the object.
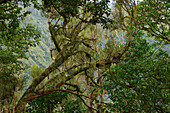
(27, 97)
(21, 103)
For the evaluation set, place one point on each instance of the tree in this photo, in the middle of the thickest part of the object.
(149, 15)
(14, 43)
(70, 43)
(14, 39)
(153, 17)
(139, 82)
(73, 46)
(79, 61)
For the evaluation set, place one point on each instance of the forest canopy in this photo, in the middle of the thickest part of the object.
(84, 56)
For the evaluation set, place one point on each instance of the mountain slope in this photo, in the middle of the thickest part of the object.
(40, 54)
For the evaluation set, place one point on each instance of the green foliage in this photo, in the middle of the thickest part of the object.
(56, 102)
(88, 61)
(153, 17)
(139, 83)
(8, 86)
(36, 71)
(14, 40)
(14, 43)
(72, 106)
(130, 83)
(99, 10)
(46, 104)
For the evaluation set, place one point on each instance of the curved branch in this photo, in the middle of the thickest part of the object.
(51, 90)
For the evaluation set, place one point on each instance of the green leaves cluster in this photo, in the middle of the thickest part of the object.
(154, 17)
(75, 8)
(14, 40)
(140, 80)
(14, 43)
(47, 103)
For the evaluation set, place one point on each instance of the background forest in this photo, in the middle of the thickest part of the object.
(84, 56)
